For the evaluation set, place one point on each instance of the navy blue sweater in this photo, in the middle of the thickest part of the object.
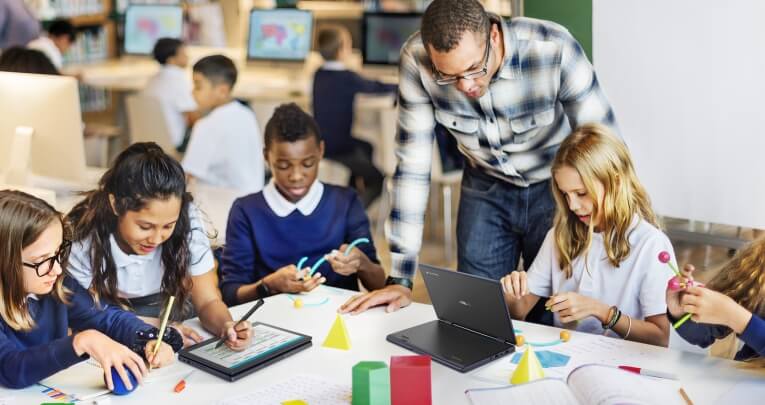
(258, 242)
(333, 94)
(703, 335)
(28, 357)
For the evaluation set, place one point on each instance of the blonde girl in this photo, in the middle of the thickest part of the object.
(598, 265)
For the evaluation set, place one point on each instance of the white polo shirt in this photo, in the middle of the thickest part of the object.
(172, 86)
(637, 287)
(46, 46)
(141, 275)
(226, 149)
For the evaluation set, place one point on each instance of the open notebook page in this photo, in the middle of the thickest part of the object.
(604, 385)
(547, 391)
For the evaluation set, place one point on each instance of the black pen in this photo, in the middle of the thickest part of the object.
(244, 318)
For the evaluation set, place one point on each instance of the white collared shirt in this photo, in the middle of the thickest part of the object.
(141, 275)
(335, 65)
(172, 87)
(283, 207)
(45, 45)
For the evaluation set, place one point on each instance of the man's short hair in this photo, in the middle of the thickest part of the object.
(217, 69)
(166, 48)
(329, 42)
(290, 123)
(62, 27)
(446, 21)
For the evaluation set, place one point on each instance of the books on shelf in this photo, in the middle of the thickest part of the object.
(50, 9)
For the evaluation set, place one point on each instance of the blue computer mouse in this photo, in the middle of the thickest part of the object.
(119, 385)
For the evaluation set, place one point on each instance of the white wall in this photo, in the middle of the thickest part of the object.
(687, 81)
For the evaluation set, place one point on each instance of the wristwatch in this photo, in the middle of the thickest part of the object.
(405, 282)
(262, 289)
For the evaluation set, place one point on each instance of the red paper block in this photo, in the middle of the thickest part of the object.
(410, 380)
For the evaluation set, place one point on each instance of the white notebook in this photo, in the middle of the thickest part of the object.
(588, 384)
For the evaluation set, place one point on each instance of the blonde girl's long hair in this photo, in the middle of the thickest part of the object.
(23, 218)
(743, 279)
(598, 156)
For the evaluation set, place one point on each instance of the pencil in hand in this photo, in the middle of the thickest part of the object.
(162, 327)
(244, 318)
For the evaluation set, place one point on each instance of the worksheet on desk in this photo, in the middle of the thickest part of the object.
(308, 388)
(265, 340)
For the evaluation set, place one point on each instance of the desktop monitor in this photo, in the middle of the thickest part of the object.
(146, 23)
(50, 105)
(384, 34)
(280, 35)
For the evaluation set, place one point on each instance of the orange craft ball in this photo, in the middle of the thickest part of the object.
(519, 340)
(565, 335)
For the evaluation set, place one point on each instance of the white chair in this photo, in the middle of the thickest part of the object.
(332, 172)
(17, 167)
(147, 122)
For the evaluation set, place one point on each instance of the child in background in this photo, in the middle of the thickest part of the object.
(295, 216)
(39, 303)
(60, 36)
(172, 88)
(225, 146)
(334, 89)
(599, 263)
(139, 240)
(734, 301)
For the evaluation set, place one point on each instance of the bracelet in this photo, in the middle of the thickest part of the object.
(617, 314)
(262, 289)
(404, 282)
(629, 327)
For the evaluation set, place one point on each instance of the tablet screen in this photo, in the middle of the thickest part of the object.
(265, 340)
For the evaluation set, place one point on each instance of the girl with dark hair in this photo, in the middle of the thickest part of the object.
(39, 304)
(139, 240)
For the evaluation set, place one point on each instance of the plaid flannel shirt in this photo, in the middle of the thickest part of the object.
(544, 87)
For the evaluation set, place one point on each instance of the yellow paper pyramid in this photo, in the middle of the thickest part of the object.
(295, 402)
(338, 338)
(529, 368)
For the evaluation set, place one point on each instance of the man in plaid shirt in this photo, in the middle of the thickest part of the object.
(509, 92)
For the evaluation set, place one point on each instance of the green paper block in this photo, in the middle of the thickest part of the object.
(371, 383)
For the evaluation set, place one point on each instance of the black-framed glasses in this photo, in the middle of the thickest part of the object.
(46, 266)
(442, 80)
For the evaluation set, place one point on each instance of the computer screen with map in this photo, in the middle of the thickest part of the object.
(146, 23)
(384, 33)
(280, 35)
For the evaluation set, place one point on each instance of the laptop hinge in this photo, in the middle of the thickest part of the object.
(477, 333)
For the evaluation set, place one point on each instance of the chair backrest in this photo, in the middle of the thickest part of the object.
(147, 122)
(17, 169)
(332, 172)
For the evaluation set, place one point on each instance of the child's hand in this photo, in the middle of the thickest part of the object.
(712, 307)
(675, 296)
(164, 356)
(108, 354)
(572, 307)
(346, 265)
(190, 336)
(289, 280)
(514, 285)
(237, 339)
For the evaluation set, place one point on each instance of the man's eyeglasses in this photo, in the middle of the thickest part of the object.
(44, 267)
(442, 80)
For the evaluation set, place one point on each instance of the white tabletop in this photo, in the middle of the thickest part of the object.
(705, 379)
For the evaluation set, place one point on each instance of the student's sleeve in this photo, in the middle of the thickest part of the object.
(580, 93)
(653, 287)
(539, 275)
(202, 260)
(200, 152)
(21, 368)
(411, 180)
(365, 85)
(700, 334)
(754, 335)
(79, 264)
(358, 227)
(238, 263)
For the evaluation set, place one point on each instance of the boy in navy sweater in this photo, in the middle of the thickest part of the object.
(334, 89)
(296, 216)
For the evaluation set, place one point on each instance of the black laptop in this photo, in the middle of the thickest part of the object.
(473, 326)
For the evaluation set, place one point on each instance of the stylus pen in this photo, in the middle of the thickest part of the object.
(244, 318)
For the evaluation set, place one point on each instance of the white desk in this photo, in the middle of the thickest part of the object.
(705, 379)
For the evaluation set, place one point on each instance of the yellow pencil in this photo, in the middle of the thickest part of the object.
(685, 397)
(162, 327)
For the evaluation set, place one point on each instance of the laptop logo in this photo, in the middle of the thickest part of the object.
(430, 273)
(464, 303)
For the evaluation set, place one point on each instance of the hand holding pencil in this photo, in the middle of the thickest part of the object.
(238, 335)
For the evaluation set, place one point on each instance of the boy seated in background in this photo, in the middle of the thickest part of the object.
(59, 37)
(172, 87)
(296, 216)
(334, 89)
(225, 149)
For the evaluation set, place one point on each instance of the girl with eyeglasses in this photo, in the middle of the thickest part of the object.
(39, 303)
